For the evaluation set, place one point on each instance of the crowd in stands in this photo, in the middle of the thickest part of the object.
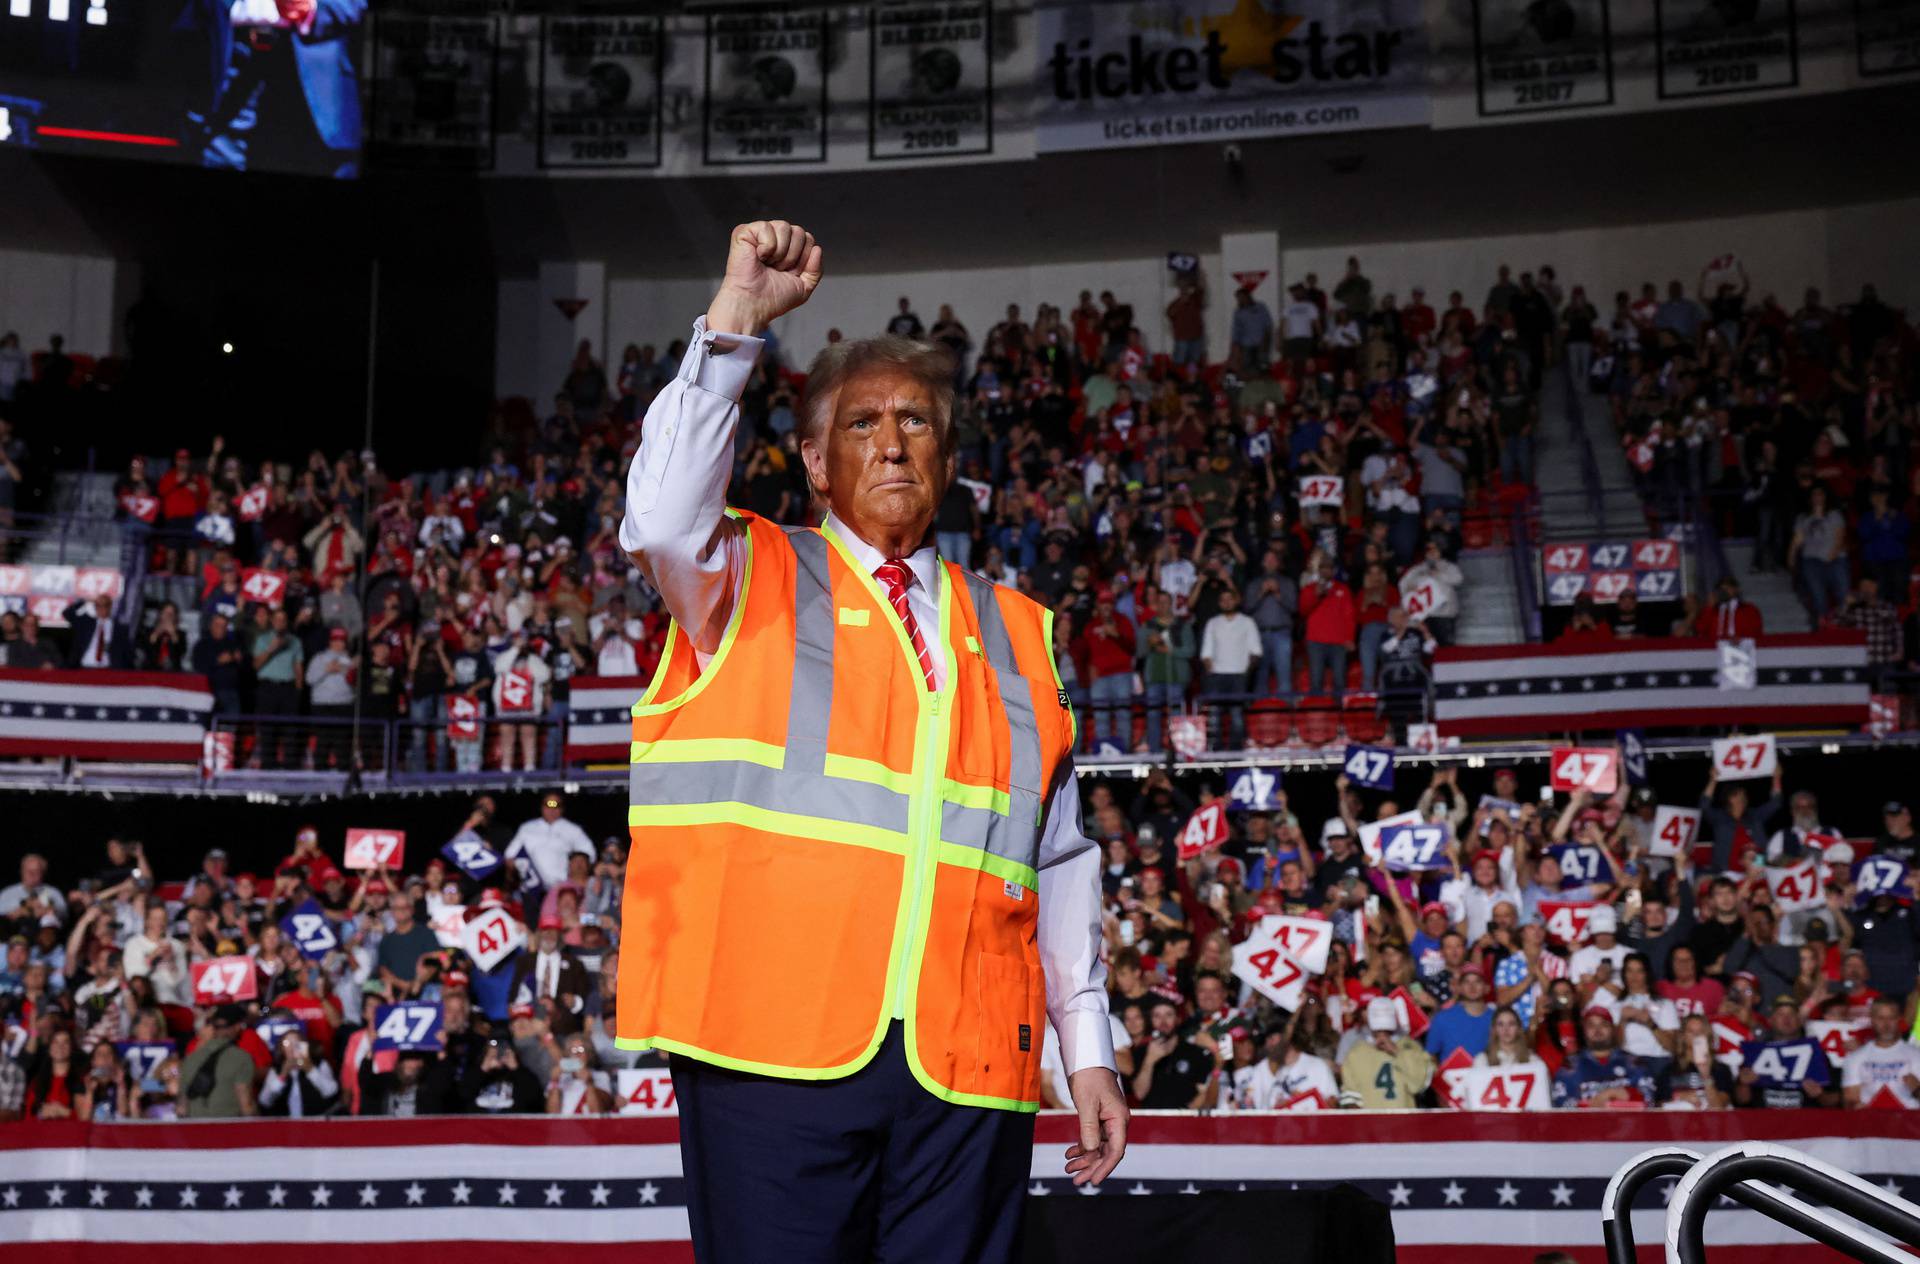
(1795, 428)
(1155, 501)
(1224, 532)
(1687, 986)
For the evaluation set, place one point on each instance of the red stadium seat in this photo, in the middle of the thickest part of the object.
(1359, 713)
(1317, 720)
(1269, 722)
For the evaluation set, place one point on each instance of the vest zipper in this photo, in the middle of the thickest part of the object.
(933, 760)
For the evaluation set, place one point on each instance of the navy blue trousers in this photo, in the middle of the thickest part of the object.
(867, 1168)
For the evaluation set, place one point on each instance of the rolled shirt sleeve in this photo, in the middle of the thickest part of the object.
(1070, 932)
(675, 527)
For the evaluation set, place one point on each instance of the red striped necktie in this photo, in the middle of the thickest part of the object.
(896, 577)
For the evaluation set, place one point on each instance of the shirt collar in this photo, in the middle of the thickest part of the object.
(924, 563)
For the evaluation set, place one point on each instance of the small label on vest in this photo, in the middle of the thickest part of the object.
(1066, 703)
(849, 617)
(1015, 891)
(1026, 1038)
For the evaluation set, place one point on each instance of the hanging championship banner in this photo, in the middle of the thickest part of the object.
(1224, 70)
(1715, 47)
(600, 92)
(1536, 56)
(1889, 36)
(930, 80)
(766, 88)
(433, 90)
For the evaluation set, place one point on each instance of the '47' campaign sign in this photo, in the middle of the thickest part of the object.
(1592, 768)
(1566, 920)
(1305, 939)
(311, 930)
(1255, 789)
(408, 1025)
(1370, 766)
(492, 937)
(1737, 758)
(374, 848)
(1207, 827)
(1522, 1087)
(223, 979)
(471, 855)
(1271, 970)
(1795, 887)
(1674, 831)
(1879, 875)
(647, 1091)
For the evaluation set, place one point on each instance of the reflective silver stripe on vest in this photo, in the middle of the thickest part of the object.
(777, 790)
(1024, 730)
(810, 705)
(1007, 837)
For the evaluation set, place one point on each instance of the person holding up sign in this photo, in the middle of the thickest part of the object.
(1736, 826)
(1788, 1070)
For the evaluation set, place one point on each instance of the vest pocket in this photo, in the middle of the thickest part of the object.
(1009, 1033)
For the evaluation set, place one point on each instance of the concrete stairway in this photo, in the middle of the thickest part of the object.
(1566, 512)
(1489, 606)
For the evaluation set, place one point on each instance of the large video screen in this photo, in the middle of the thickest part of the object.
(246, 85)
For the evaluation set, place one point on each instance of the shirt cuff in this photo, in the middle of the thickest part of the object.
(719, 362)
(1086, 1040)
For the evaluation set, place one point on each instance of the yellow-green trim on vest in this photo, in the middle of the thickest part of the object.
(963, 857)
(646, 705)
(641, 1043)
(652, 816)
(701, 750)
(1046, 630)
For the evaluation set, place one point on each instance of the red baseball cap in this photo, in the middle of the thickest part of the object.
(454, 979)
(376, 886)
(550, 921)
(1434, 906)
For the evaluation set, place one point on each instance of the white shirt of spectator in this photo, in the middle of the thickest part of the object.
(547, 844)
(1636, 1037)
(442, 529)
(321, 1077)
(1177, 579)
(616, 658)
(1297, 319)
(1872, 1067)
(546, 974)
(1230, 643)
(172, 981)
(1587, 958)
(1467, 902)
(1263, 1086)
(100, 645)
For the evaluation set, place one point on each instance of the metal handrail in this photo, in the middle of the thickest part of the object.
(1616, 1207)
(1843, 1192)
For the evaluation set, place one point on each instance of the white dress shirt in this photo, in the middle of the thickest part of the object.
(547, 844)
(678, 533)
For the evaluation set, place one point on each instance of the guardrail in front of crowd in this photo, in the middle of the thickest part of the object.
(1842, 1192)
(1616, 1208)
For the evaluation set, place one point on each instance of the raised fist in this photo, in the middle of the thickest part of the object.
(772, 268)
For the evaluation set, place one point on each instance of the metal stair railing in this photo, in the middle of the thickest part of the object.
(1616, 1209)
(1849, 1202)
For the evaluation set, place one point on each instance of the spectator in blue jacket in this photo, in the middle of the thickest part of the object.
(217, 656)
(1736, 826)
(1601, 1072)
(1883, 532)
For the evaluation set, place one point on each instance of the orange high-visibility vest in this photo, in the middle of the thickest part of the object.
(821, 844)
